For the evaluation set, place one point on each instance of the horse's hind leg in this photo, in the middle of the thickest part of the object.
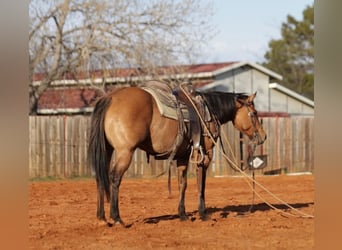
(100, 214)
(118, 168)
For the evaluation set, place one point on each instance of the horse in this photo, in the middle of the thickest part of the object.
(128, 118)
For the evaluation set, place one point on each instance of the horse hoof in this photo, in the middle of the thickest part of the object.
(119, 222)
(204, 217)
(183, 218)
(111, 222)
(101, 222)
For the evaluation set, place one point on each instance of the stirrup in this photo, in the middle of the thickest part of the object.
(201, 152)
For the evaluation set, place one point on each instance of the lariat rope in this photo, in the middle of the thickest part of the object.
(301, 214)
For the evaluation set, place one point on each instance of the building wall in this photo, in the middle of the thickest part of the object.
(223, 82)
(249, 80)
(307, 110)
(244, 80)
(278, 101)
(259, 84)
(281, 102)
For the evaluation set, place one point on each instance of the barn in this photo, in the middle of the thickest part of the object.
(69, 96)
(249, 77)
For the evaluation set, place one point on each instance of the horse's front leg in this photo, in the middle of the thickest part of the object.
(182, 184)
(201, 178)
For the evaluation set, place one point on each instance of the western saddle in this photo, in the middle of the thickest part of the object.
(188, 106)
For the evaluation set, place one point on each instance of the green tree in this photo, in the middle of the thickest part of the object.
(292, 56)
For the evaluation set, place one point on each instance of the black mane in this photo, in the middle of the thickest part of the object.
(222, 104)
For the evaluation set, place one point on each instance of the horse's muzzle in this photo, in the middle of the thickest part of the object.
(261, 138)
(258, 139)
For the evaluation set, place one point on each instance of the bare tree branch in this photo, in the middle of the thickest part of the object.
(70, 36)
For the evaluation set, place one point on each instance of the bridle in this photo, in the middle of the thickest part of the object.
(256, 136)
(253, 118)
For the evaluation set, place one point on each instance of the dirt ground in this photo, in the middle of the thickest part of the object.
(62, 215)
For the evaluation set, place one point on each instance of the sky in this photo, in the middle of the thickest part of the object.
(245, 27)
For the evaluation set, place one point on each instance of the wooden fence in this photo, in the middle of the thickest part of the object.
(58, 148)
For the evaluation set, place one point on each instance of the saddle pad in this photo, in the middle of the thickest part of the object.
(166, 103)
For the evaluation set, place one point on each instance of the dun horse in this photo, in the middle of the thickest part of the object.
(128, 118)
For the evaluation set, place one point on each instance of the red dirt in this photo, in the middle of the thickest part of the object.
(62, 215)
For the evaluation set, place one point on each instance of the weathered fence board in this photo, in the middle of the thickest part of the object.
(58, 148)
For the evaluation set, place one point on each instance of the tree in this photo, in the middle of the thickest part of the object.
(292, 56)
(72, 36)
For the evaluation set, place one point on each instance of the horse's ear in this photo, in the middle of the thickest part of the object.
(251, 97)
(239, 103)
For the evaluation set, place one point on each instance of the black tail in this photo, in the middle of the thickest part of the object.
(99, 149)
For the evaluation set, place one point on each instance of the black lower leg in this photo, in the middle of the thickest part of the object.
(201, 177)
(182, 182)
(114, 206)
(100, 214)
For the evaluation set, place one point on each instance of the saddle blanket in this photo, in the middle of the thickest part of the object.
(166, 101)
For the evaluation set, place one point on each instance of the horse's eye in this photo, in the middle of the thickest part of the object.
(253, 113)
